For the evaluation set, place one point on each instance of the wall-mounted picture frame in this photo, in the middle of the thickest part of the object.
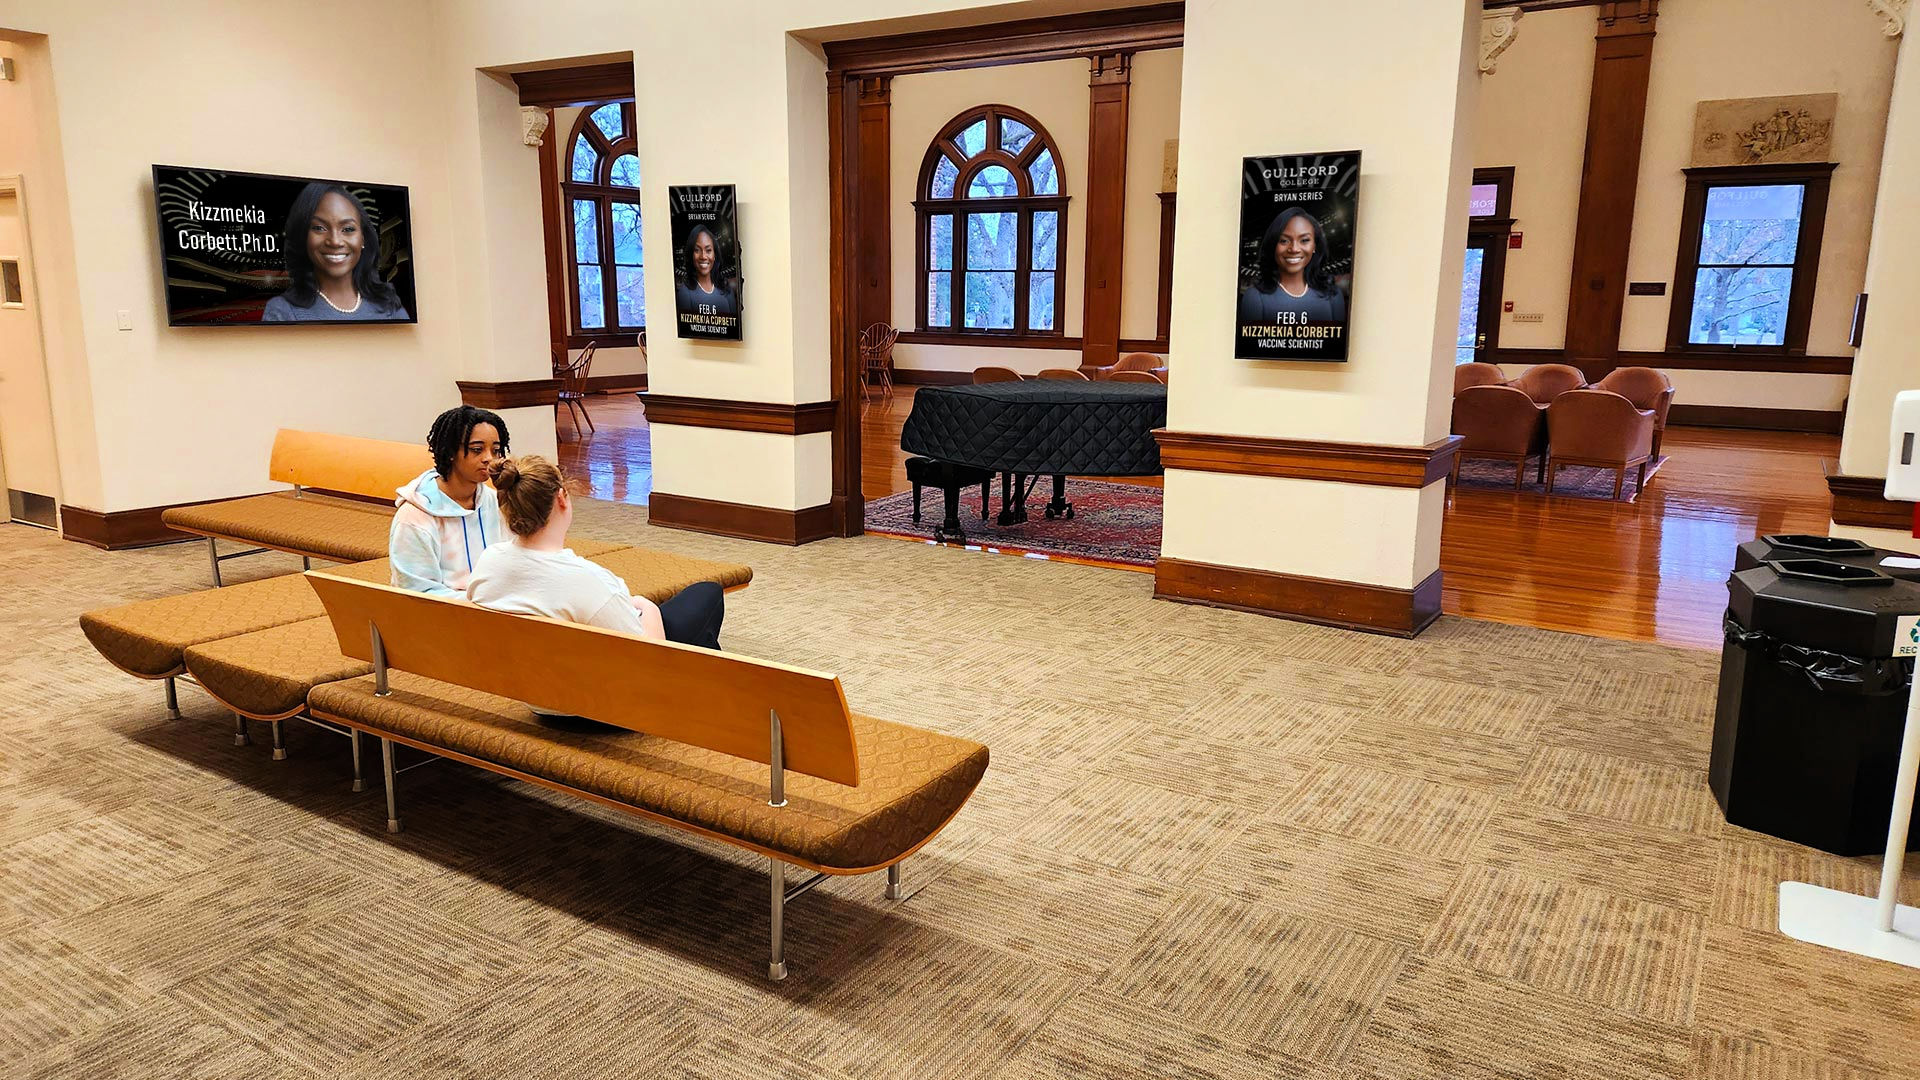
(706, 262)
(1298, 213)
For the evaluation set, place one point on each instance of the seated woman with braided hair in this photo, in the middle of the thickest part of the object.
(533, 573)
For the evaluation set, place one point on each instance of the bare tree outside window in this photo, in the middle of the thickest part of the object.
(1744, 280)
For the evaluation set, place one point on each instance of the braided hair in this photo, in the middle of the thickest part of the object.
(451, 430)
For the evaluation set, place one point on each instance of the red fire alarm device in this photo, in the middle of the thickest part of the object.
(1506, 306)
(1513, 240)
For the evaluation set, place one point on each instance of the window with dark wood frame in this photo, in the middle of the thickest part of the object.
(1761, 272)
(991, 229)
(601, 183)
(1488, 234)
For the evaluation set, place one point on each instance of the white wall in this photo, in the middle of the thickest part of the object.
(1533, 117)
(1887, 362)
(1406, 101)
(1153, 117)
(187, 414)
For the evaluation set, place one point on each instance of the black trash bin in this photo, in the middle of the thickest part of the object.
(1778, 546)
(1806, 737)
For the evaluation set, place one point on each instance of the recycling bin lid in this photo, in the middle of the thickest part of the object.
(1824, 604)
(1778, 546)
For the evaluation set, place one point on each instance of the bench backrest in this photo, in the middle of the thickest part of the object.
(346, 463)
(714, 700)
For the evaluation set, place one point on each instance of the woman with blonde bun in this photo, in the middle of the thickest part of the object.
(534, 573)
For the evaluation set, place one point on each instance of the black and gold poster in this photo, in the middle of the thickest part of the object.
(706, 261)
(1297, 215)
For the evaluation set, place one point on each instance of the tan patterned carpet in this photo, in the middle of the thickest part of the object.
(1209, 845)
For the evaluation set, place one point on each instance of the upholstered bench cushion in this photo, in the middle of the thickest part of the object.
(147, 638)
(343, 530)
(912, 780)
(657, 575)
(587, 549)
(267, 674)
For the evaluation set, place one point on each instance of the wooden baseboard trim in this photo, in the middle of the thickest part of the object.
(923, 377)
(603, 384)
(523, 394)
(1860, 501)
(1350, 463)
(763, 523)
(769, 416)
(1348, 604)
(1733, 416)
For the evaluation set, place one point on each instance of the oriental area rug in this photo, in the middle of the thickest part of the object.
(1111, 523)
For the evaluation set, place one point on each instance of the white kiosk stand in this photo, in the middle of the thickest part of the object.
(1882, 928)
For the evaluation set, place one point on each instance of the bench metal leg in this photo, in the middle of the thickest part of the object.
(777, 960)
(213, 560)
(306, 562)
(240, 736)
(393, 808)
(279, 746)
(895, 891)
(173, 700)
(359, 779)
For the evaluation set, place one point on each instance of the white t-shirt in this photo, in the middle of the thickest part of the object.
(556, 584)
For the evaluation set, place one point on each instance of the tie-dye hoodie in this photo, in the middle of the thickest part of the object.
(435, 541)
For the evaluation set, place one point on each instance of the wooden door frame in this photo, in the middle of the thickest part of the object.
(1126, 31)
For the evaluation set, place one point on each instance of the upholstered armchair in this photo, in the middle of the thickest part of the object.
(1602, 429)
(1497, 422)
(994, 374)
(1477, 374)
(1131, 362)
(1647, 389)
(1545, 382)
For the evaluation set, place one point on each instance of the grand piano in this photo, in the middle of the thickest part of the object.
(1033, 428)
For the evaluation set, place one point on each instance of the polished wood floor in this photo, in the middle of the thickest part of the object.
(1651, 570)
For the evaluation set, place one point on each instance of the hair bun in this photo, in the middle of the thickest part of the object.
(505, 474)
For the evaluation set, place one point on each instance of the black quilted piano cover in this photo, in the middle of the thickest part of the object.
(1040, 426)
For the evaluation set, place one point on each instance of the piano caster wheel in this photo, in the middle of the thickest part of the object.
(1049, 513)
(1069, 513)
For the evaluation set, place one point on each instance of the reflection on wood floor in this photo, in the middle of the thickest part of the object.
(1653, 570)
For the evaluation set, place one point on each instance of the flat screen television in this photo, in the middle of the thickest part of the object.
(250, 249)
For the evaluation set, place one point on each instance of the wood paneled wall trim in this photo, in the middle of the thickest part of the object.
(1684, 361)
(926, 377)
(1860, 501)
(585, 84)
(118, 530)
(1616, 120)
(1060, 342)
(1163, 309)
(1348, 463)
(1735, 416)
(523, 394)
(764, 523)
(1349, 604)
(602, 384)
(1060, 37)
(1109, 96)
(769, 416)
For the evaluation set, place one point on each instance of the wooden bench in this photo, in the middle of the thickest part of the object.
(258, 648)
(754, 754)
(340, 508)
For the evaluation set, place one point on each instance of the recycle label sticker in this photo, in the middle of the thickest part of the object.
(1906, 635)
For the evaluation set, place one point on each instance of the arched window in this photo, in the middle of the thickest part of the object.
(602, 185)
(992, 223)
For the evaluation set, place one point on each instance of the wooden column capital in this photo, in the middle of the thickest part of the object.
(1108, 69)
(1624, 18)
(875, 89)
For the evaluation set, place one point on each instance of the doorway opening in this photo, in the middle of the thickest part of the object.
(590, 188)
(1483, 282)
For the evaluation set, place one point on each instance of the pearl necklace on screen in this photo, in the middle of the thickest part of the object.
(357, 300)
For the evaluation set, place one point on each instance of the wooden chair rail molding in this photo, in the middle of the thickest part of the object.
(1350, 463)
(1349, 604)
(525, 393)
(770, 416)
(1860, 501)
